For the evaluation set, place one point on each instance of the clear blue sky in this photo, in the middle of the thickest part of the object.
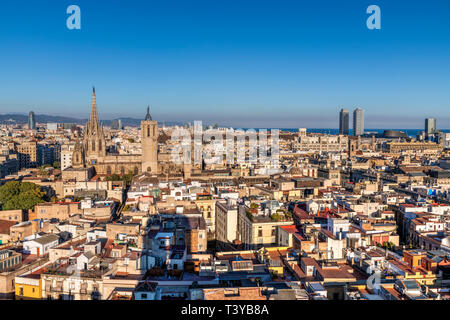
(245, 63)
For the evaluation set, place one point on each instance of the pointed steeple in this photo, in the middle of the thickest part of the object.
(78, 146)
(94, 113)
(148, 116)
(93, 137)
(78, 159)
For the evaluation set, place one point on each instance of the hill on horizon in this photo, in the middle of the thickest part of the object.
(16, 118)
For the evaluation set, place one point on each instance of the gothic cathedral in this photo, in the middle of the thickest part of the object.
(92, 151)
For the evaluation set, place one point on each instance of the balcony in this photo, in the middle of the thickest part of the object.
(55, 289)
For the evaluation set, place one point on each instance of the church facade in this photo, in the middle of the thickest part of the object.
(92, 150)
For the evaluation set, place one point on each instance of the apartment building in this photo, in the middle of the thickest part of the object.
(226, 221)
(66, 155)
(207, 207)
(321, 143)
(13, 215)
(256, 231)
(28, 154)
(59, 210)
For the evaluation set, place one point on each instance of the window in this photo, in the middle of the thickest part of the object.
(143, 296)
(260, 234)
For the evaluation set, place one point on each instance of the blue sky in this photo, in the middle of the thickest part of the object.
(243, 63)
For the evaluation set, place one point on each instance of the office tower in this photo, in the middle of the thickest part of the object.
(430, 126)
(31, 121)
(358, 122)
(115, 125)
(344, 119)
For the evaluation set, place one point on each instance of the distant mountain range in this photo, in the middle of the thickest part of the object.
(44, 118)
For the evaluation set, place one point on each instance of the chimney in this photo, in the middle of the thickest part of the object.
(316, 239)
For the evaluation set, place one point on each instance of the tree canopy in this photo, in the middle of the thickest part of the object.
(126, 178)
(43, 172)
(15, 195)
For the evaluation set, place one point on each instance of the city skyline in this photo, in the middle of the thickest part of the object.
(112, 121)
(213, 158)
(284, 66)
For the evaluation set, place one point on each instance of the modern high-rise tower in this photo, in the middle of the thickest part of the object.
(149, 141)
(344, 120)
(31, 121)
(358, 122)
(430, 126)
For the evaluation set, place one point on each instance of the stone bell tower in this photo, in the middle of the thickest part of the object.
(149, 141)
(78, 157)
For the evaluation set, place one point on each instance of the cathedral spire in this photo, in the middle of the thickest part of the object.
(148, 116)
(94, 113)
(94, 143)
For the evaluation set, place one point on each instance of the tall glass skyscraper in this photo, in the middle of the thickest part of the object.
(358, 122)
(344, 121)
(31, 121)
(430, 126)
